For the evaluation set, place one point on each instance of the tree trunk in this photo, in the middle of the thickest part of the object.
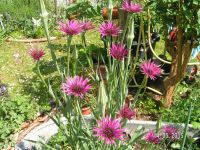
(180, 58)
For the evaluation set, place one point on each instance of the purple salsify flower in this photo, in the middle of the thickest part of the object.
(71, 27)
(126, 113)
(109, 130)
(170, 132)
(76, 86)
(36, 54)
(131, 7)
(118, 51)
(150, 69)
(152, 137)
(87, 26)
(109, 29)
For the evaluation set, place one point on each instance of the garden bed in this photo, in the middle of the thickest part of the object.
(46, 130)
(116, 76)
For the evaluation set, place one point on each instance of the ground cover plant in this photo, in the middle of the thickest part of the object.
(68, 72)
(13, 113)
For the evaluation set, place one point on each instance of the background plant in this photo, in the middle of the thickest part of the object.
(183, 15)
(13, 113)
(17, 17)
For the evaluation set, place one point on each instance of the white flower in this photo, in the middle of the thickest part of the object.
(36, 22)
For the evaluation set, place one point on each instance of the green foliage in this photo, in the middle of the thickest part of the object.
(59, 141)
(185, 14)
(177, 112)
(179, 109)
(1, 36)
(86, 9)
(29, 30)
(13, 113)
(17, 16)
(21, 9)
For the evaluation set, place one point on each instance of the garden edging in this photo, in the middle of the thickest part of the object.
(30, 40)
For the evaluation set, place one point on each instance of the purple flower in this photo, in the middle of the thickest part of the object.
(150, 69)
(131, 7)
(126, 112)
(118, 51)
(87, 25)
(152, 137)
(71, 27)
(36, 54)
(77, 86)
(109, 29)
(170, 132)
(109, 130)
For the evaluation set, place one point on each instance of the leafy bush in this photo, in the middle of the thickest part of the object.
(180, 107)
(13, 113)
(83, 9)
(21, 9)
(17, 16)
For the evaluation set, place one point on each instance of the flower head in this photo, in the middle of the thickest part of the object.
(126, 112)
(150, 69)
(118, 51)
(170, 132)
(77, 86)
(109, 130)
(36, 54)
(152, 137)
(109, 29)
(87, 25)
(131, 7)
(71, 27)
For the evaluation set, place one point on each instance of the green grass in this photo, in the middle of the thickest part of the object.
(17, 72)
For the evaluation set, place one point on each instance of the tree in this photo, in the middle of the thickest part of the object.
(184, 15)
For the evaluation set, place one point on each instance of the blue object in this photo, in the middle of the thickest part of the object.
(195, 52)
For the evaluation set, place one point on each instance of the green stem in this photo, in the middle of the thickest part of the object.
(40, 75)
(125, 29)
(83, 40)
(186, 127)
(80, 113)
(143, 85)
(130, 38)
(108, 43)
(53, 56)
(44, 16)
(69, 39)
(143, 39)
(110, 9)
(130, 41)
(123, 82)
(137, 51)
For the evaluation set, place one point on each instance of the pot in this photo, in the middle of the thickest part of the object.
(86, 111)
(115, 13)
